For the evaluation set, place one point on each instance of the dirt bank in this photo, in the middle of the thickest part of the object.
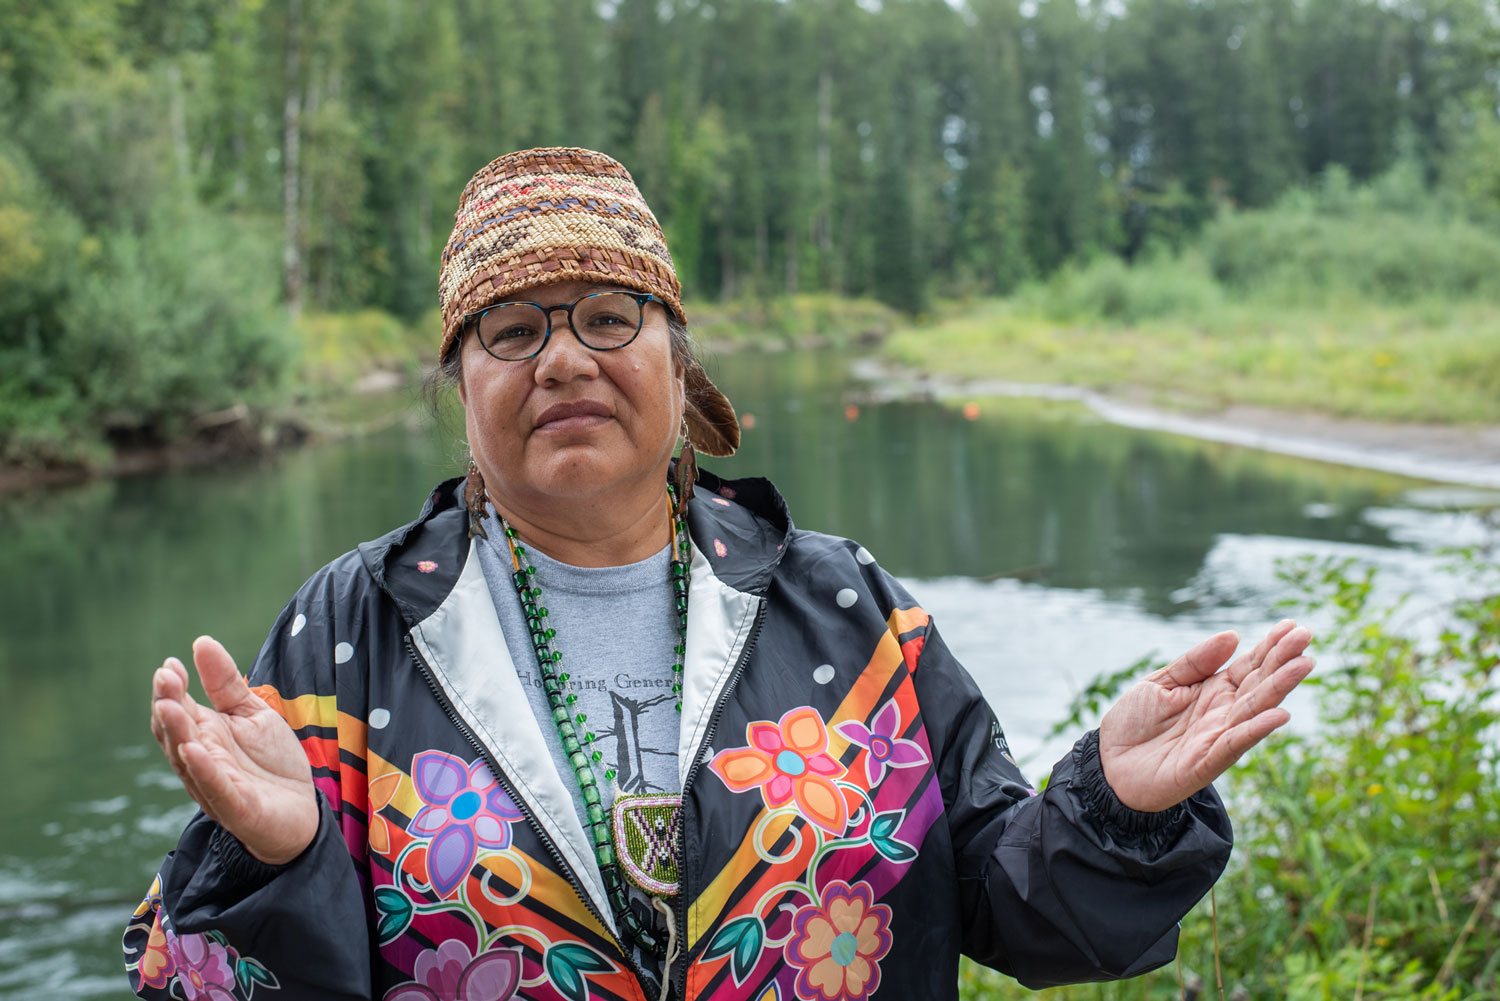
(1444, 453)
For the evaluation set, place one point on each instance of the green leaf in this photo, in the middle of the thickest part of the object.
(566, 965)
(741, 940)
(883, 836)
(249, 972)
(395, 912)
(261, 975)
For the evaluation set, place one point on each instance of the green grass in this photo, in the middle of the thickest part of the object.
(1432, 362)
(1379, 302)
(788, 321)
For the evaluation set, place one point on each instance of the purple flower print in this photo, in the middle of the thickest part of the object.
(465, 810)
(886, 750)
(448, 973)
(205, 968)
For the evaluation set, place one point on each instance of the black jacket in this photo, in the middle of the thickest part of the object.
(853, 819)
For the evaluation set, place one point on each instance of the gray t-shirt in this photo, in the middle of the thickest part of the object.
(616, 629)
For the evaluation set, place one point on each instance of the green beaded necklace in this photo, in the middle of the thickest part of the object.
(582, 755)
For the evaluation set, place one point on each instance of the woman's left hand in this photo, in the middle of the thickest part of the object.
(1179, 728)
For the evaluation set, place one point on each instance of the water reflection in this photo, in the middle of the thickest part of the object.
(1049, 548)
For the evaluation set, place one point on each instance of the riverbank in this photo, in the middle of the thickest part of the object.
(1468, 455)
(346, 363)
(1218, 383)
(1425, 363)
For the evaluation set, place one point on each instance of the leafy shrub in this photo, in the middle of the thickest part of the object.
(1367, 856)
(174, 321)
(1391, 241)
(339, 348)
(1108, 288)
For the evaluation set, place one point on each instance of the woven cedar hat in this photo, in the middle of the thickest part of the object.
(542, 216)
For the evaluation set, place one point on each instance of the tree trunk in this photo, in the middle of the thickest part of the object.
(291, 155)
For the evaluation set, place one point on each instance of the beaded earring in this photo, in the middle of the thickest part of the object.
(474, 500)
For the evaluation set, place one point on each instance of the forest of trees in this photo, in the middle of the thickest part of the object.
(195, 170)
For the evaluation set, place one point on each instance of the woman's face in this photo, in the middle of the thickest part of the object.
(573, 423)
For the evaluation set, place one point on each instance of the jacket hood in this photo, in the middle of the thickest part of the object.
(741, 526)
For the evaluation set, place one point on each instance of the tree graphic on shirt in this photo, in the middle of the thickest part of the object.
(629, 755)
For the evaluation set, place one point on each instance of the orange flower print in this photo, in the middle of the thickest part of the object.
(382, 791)
(789, 761)
(836, 946)
(157, 965)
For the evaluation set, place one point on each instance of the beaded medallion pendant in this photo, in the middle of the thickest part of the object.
(642, 839)
(647, 833)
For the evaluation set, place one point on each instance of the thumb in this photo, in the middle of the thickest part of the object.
(222, 682)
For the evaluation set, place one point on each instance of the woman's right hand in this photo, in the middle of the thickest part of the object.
(239, 759)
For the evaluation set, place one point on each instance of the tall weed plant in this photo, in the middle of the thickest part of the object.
(1367, 853)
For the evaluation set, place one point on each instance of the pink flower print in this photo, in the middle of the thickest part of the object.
(884, 749)
(205, 968)
(466, 810)
(426, 566)
(836, 947)
(720, 549)
(789, 760)
(727, 492)
(449, 973)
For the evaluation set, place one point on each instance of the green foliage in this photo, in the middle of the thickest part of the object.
(1367, 854)
(900, 152)
(338, 348)
(127, 335)
(781, 322)
(1379, 837)
(1108, 288)
(118, 160)
(173, 321)
(1391, 242)
(1378, 301)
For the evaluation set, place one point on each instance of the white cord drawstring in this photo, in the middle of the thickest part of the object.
(673, 946)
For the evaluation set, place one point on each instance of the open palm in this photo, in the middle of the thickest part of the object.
(1179, 728)
(238, 758)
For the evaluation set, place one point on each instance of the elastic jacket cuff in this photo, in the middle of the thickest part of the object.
(243, 872)
(1124, 824)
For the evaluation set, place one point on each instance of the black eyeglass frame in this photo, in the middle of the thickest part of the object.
(470, 321)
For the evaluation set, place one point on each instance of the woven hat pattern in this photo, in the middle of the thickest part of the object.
(551, 215)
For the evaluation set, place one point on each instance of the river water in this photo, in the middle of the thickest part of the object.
(1049, 547)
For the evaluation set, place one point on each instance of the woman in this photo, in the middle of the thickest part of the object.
(732, 759)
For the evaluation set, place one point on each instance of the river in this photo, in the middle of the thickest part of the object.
(1050, 547)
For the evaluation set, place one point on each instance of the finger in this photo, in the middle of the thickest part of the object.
(1271, 690)
(216, 792)
(222, 682)
(1235, 741)
(175, 666)
(177, 728)
(170, 682)
(1201, 661)
(1288, 648)
(1243, 666)
(1291, 645)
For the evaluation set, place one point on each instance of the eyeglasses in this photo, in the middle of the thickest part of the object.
(602, 321)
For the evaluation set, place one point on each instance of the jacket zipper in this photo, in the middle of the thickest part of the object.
(524, 807)
(708, 736)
